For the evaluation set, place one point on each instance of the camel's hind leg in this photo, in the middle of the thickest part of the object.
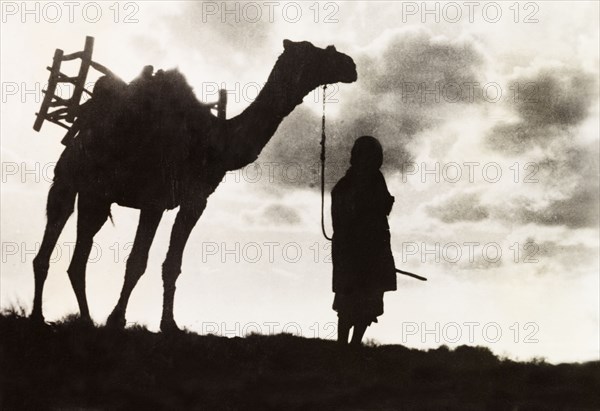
(92, 214)
(59, 208)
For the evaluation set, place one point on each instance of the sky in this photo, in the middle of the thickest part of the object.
(488, 114)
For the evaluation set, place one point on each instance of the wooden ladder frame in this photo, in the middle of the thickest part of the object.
(66, 110)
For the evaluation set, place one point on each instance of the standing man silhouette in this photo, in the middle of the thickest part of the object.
(363, 264)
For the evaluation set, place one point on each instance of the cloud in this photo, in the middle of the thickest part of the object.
(198, 23)
(561, 255)
(563, 190)
(461, 207)
(555, 96)
(577, 211)
(550, 103)
(295, 150)
(575, 205)
(409, 61)
(211, 34)
(569, 173)
(378, 105)
(274, 215)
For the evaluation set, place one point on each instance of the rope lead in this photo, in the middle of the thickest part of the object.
(323, 137)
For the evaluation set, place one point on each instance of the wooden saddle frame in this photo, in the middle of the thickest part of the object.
(64, 111)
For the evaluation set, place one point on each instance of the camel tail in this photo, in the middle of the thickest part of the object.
(61, 200)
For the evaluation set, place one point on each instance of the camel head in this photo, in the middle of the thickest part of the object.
(308, 67)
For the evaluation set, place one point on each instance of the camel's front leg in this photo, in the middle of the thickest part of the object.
(136, 263)
(185, 221)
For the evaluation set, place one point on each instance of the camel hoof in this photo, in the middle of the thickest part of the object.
(37, 319)
(115, 321)
(76, 321)
(85, 321)
(169, 327)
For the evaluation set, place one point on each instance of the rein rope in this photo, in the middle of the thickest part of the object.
(323, 137)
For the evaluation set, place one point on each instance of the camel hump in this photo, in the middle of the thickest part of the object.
(162, 91)
(157, 112)
(109, 87)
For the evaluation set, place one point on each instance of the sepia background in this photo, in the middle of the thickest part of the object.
(488, 115)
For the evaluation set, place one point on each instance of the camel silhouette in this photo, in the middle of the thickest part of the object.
(160, 151)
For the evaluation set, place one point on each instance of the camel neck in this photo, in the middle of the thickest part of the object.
(250, 131)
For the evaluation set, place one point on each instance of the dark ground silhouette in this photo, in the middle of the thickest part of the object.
(74, 366)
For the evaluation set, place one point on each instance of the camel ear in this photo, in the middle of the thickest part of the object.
(287, 43)
(331, 48)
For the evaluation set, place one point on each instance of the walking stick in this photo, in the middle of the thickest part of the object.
(418, 277)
